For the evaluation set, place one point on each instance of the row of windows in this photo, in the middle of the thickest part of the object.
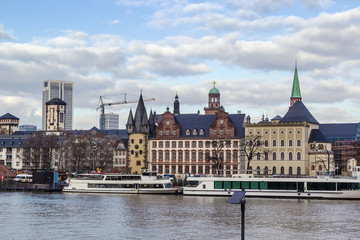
(282, 156)
(266, 170)
(282, 143)
(191, 169)
(285, 185)
(274, 132)
(194, 144)
(200, 156)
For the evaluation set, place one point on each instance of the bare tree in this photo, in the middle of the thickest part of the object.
(326, 160)
(100, 151)
(76, 150)
(39, 151)
(251, 146)
(217, 156)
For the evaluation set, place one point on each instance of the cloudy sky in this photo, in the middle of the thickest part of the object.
(111, 47)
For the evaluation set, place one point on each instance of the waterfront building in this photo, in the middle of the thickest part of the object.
(10, 150)
(293, 144)
(8, 124)
(111, 121)
(63, 90)
(197, 143)
(138, 128)
(120, 156)
(55, 115)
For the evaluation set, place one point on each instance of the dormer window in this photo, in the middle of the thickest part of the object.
(201, 131)
(188, 132)
(194, 132)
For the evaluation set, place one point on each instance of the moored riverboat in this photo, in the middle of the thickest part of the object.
(323, 187)
(145, 183)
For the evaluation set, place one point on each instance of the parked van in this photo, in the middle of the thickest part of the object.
(23, 178)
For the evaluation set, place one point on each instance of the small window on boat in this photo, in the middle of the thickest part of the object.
(204, 186)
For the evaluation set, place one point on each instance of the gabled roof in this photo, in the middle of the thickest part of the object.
(198, 122)
(339, 131)
(317, 136)
(8, 116)
(298, 113)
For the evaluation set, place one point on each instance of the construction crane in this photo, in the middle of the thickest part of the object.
(102, 107)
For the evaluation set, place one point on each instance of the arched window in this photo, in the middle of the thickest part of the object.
(250, 169)
(274, 155)
(298, 171)
(258, 170)
(290, 170)
(266, 170)
(266, 143)
(188, 132)
(312, 167)
(274, 143)
(274, 170)
(282, 171)
(266, 156)
(282, 156)
(201, 131)
(290, 143)
(250, 143)
(282, 143)
(194, 132)
(290, 155)
(320, 168)
(298, 156)
(258, 156)
(298, 143)
(258, 143)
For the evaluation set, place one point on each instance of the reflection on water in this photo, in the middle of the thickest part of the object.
(104, 216)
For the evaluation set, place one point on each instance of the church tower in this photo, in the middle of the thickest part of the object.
(138, 128)
(176, 105)
(295, 93)
(213, 102)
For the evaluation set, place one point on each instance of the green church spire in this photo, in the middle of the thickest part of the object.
(296, 86)
(295, 93)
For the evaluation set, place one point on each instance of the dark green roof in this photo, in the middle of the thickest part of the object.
(214, 90)
(295, 93)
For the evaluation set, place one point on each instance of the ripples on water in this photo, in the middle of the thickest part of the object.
(103, 216)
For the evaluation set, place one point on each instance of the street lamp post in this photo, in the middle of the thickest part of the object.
(239, 198)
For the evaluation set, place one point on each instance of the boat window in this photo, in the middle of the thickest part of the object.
(192, 183)
(347, 186)
(282, 185)
(321, 186)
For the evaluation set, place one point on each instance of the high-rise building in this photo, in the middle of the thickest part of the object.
(63, 90)
(111, 121)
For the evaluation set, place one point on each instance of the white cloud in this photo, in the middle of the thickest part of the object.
(5, 35)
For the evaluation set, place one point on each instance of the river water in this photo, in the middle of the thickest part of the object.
(26, 215)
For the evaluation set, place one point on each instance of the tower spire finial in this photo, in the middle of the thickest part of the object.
(214, 83)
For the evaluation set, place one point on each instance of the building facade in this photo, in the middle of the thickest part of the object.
(63, 90)
(111, 121)
(8, 124)
(197, 143)
(55, 115)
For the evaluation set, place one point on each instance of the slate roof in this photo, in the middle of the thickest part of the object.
(56, 101)
(277, 117)
(317, 136)
(198, 122)
(8, 116)
(339, 131)
(299, 113)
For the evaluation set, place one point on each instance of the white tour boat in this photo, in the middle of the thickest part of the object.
(277, 187)
(147, 182)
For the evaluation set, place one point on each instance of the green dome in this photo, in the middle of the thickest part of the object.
(214, 90)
